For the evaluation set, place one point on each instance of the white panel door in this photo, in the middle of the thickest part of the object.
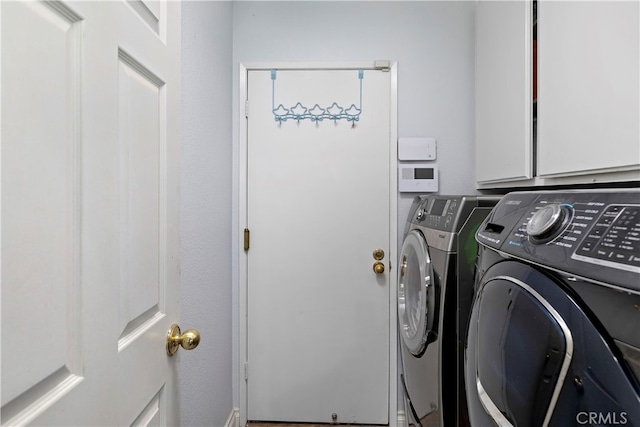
(318, 200)
(90, 163)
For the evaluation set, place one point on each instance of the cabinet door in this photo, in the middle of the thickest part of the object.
(588, 87)
(503, 91)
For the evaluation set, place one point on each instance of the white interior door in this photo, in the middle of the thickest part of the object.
(318, 201)
(90, 163)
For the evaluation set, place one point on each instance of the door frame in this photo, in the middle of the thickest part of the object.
(242, 219)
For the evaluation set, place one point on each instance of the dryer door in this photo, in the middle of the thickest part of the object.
(535, 357)
(417, 299)
(523, 350)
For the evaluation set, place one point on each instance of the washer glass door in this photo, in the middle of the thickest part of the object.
(416, 294)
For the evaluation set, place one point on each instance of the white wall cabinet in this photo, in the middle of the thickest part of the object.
(503, 92)
(588, 113)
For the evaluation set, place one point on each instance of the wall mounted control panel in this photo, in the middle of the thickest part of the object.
(414, 174)
(419, 149)
(418, 177)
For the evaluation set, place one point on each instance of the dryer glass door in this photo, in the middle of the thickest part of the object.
(523, 350)
(416, 294)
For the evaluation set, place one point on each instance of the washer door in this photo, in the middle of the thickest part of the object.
(416, 295)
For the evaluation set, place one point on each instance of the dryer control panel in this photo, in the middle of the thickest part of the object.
(592, 234)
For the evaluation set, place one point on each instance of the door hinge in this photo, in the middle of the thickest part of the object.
(246, 108)
(246, 370)
(247, 237)
(382, 64)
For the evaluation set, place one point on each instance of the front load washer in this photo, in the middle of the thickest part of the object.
(435, 290)
(554, 334)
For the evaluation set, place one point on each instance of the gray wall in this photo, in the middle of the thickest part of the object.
(206, 383)
(433, 43)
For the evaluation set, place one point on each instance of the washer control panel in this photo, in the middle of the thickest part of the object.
(446, 213)
(593, 234)
(438, 212)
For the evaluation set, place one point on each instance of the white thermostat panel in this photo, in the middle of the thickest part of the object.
(416, 149)
(418, 178)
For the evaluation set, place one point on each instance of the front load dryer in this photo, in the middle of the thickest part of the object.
(435, 290)
(554, 336)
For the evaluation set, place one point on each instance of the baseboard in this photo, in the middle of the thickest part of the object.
(402, 419)
(234, 418)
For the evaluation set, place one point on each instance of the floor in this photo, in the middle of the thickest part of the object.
(258, 424)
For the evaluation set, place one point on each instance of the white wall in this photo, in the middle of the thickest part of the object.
(205, 373)
(433, 43)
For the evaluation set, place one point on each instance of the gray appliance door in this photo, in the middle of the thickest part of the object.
(417, 299)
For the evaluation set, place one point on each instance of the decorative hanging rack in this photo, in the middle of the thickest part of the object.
(316, 114)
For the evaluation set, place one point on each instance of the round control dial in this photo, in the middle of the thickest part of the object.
(547, 223)
(421, 214)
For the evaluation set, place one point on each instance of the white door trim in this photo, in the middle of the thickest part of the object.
(242, 218)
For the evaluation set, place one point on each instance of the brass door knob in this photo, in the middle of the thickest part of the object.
(378, 267)
(188, 340)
